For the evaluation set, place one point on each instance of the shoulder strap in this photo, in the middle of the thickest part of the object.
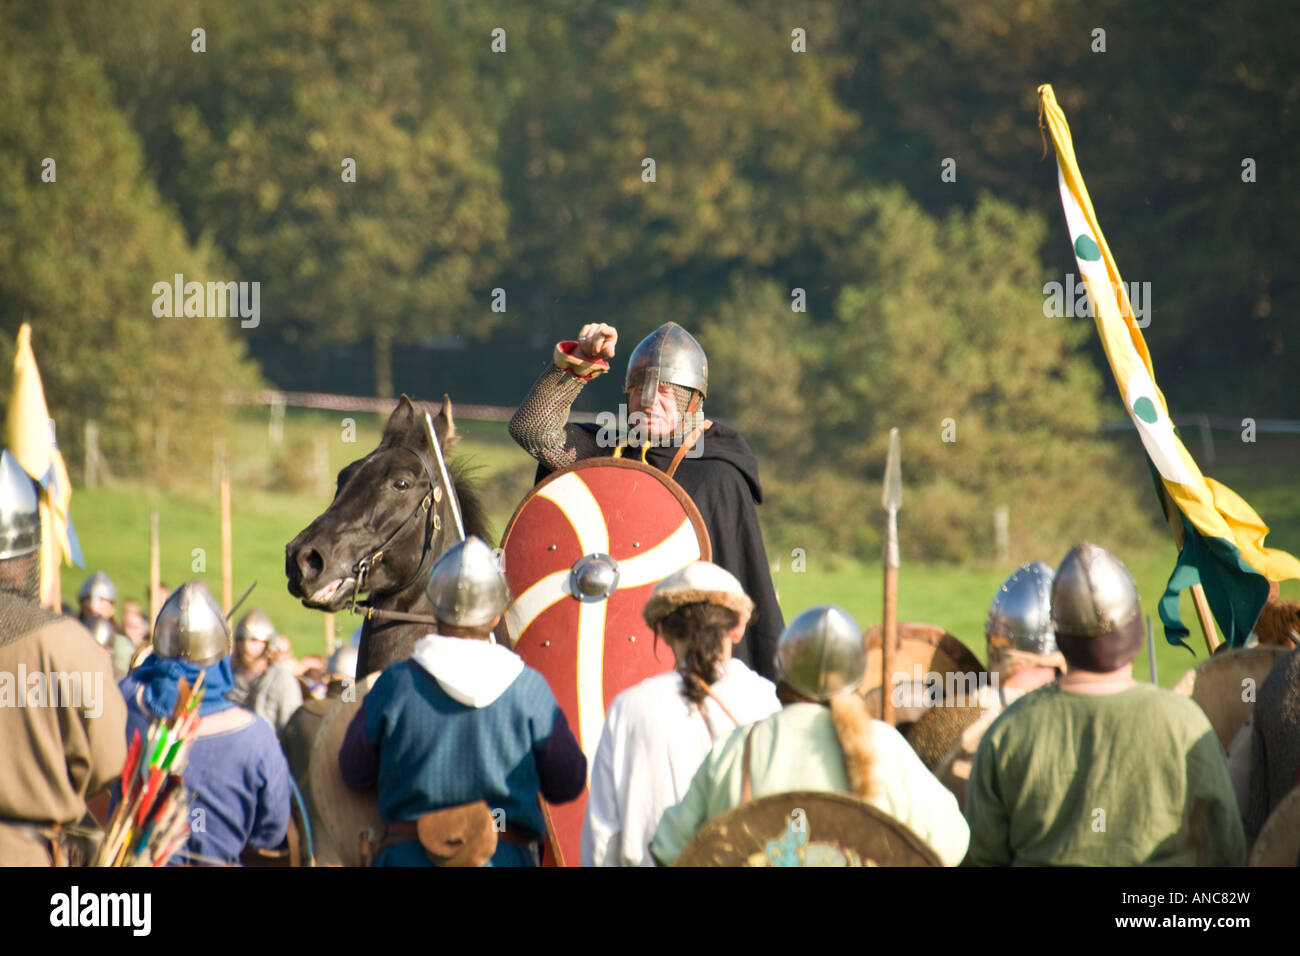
(716, 699)
(746, 777)
(696, 432)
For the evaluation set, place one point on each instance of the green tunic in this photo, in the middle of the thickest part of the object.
(1136, 778)
(796, 749)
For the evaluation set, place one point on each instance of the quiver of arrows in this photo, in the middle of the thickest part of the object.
(151, 819)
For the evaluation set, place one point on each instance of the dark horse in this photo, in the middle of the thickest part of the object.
(386, 526)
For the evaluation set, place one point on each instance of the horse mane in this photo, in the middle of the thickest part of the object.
(473, 513)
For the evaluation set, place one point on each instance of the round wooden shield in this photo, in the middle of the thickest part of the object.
(923, 649)
(1279, 838)
(639, 526)
(937, 731)
(1226, 684)
(340, 814)
(806, 829)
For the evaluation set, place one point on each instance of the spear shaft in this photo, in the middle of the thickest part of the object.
(891, 500)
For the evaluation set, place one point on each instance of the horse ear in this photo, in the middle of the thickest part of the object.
(400, 423)
(444, 425)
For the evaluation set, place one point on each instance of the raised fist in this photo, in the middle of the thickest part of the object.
(597, 340)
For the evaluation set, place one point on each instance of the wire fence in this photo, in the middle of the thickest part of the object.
(1206, 425)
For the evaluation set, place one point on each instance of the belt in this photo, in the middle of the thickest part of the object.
(404, 831)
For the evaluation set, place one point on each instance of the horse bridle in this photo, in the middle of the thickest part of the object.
(432, 523)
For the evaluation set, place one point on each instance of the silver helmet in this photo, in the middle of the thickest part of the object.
(821, 654)
(343, 663)
(1020, 617)
(191, 626)
(466, 585)
(1095, 610)
(101, 629)
(20, 515)
(667, 356)
(98, 585)
(255, 626)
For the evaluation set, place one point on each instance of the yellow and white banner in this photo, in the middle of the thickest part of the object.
(29, 435)
(1212, 508)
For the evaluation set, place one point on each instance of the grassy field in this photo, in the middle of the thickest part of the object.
(278, 490)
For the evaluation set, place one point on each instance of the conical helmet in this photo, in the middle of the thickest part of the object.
(821, 654)
(667, 356)
(343, 663)
(466, 585)
(1020, 617)
(20, 516)
(1095, 610)
(255, 626)
(98, 585)
(101, 629)
(191, 626)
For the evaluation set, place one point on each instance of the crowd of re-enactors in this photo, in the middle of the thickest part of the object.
(1063, 757)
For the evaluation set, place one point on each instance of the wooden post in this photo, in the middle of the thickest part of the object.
(1002, 533)
(1212, 640)
(275, 428)
(92, 455)
(227, 570)
(891, 499)
(330, 642)
(218, 462)
(155, 571)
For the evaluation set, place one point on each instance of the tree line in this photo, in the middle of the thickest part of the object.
(848, 202)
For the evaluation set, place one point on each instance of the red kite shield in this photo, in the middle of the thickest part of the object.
(582, 553)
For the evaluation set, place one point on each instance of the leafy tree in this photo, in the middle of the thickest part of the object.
(744, 136)
(943, 336)
(255, 157)
(1162, 121)
(78, 259)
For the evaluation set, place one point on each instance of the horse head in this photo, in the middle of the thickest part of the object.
(388, 521)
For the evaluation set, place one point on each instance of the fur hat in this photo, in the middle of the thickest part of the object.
(698, 583)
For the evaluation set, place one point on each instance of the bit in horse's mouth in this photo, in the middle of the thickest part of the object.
(333, 593)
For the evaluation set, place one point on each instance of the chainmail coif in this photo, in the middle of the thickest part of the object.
(539, 424)
(20, 609)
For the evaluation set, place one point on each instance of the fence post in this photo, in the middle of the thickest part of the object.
(275, 428)
(1002, 533)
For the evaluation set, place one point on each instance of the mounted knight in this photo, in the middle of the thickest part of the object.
(666, 383)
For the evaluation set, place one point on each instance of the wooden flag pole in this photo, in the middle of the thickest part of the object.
(227, 569)
(1175, 519)
(1211, 632)
(155, 570)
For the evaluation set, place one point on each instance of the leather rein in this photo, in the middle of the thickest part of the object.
(363, 567)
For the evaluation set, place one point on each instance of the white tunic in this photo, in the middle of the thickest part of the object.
(653, 742)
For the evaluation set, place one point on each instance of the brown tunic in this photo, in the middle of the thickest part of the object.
(63, 738)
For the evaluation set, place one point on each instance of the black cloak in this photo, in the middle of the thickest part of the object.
(723, 483)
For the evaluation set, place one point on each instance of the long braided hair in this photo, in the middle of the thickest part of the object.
(702, 631)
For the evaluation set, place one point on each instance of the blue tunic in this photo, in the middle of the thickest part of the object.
(240, 781)
(427, 751)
